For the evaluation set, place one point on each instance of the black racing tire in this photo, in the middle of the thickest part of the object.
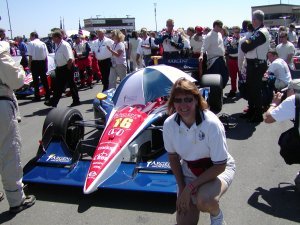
(215, 97)
(63, 125)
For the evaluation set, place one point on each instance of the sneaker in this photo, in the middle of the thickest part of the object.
(217, 220)
(27, 202)
(75, 104)
(297, 182)
(1, 196)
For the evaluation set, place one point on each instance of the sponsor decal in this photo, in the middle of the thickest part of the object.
(92, 174)
(116, 131)
(155, 164)
(62, 159)
(177, 61)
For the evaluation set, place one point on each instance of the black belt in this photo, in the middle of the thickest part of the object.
(259, 61)
(5, 98)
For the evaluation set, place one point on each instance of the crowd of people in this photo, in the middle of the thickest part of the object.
(204, 175)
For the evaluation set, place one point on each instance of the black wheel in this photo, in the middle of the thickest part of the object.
(62, 121)
(215, 98)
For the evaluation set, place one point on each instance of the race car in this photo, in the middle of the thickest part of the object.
(128, 151)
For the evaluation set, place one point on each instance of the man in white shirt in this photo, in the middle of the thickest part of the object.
(103, 56)
(279, 69)
(64, 71)
(214, 47)
(197, 41)
(286, 49)
(144, 48)
(38, 64)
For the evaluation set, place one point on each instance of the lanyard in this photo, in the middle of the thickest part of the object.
(115, 46)
(100, 44)
(58, 47)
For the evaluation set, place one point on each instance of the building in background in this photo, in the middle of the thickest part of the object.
(109, 24)
(279, 14)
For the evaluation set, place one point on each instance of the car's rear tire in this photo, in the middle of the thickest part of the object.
(215, 97)
(62, 120)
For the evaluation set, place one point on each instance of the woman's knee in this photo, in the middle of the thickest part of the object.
(206, 203)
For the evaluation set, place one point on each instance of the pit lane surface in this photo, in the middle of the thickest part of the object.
(254, 197)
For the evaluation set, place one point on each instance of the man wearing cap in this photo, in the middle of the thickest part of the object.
(103, 56)
(84, 62)
(64, 71)
(285, 110)
(255, 49)
(171, 40)
(38, 64)
(197, 41)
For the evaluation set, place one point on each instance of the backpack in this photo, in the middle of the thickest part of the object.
(289, 141)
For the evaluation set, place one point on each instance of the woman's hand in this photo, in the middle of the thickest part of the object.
(184, 200)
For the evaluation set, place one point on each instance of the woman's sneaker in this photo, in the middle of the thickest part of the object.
(217, 220)
(27, 202)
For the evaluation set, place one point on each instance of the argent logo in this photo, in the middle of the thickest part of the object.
(62, 159)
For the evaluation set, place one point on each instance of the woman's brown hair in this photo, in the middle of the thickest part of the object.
(184, 86)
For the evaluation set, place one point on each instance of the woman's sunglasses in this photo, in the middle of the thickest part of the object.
(185, 100)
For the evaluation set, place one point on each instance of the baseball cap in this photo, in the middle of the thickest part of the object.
(199, 29)
(295, 85)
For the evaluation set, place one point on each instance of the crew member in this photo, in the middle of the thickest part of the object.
(255, 49)
(278, 68)
(103, 56)
(213, 46)
(232, 46)
(38, 64)
(81, 52)
(11, 77)
(171, 40)
(64, 71)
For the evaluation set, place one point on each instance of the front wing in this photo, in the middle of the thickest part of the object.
(56, 167)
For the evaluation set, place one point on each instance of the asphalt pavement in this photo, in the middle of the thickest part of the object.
(262, 192)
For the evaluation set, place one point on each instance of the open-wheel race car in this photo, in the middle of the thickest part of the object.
(128, 153)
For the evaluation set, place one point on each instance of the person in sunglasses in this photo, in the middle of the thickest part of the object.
(196, 144)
